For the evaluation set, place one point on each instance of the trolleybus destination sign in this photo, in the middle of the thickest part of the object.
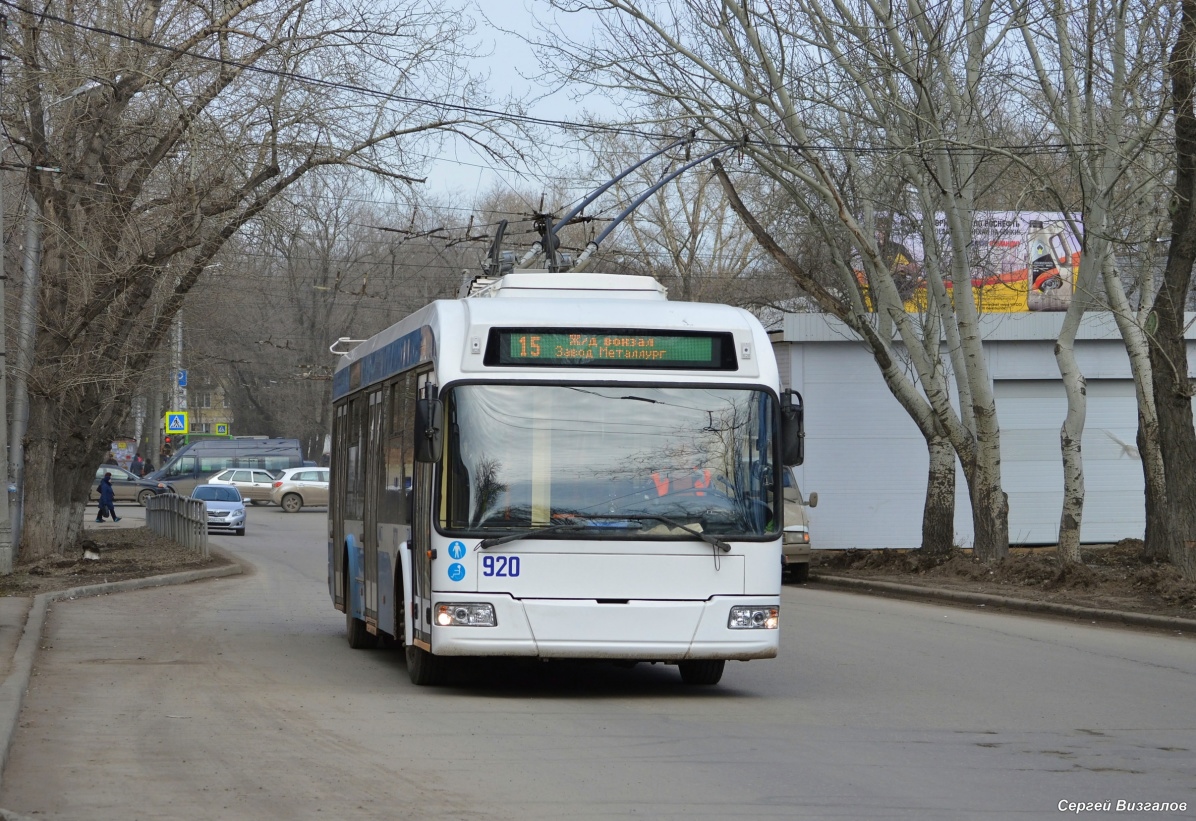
(578, 347)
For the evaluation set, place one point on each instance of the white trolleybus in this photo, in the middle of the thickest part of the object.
(562, 466)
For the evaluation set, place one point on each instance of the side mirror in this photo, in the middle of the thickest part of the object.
(793, 433)
(429, 426)
(812, 501)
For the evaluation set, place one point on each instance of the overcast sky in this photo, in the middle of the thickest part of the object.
(461, 171)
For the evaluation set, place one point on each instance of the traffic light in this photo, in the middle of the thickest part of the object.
(167, 441)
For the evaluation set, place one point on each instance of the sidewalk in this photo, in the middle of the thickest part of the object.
(22, 619)
(131, 515)
(968, 599)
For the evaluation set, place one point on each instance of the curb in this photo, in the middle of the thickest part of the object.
(14, 687)
(1050, 608)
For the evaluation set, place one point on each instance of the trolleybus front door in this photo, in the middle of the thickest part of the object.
(420, 606)
(374, 472)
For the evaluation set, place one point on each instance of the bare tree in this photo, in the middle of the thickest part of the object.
(938, 512)
(151, 133)
(1096, 75)
(322, 265)
(849, 107)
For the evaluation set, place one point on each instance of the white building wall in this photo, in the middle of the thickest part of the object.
(867, 461)
(864, 456)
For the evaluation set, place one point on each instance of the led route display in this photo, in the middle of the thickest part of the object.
(582, 348)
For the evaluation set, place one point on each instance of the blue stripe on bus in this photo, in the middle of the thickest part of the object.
(407, 351)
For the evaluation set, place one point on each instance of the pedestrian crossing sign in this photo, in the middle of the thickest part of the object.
(175, 422)
(222, 429)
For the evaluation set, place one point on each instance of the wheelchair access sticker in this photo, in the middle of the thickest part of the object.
(457, 549)
(456, 571)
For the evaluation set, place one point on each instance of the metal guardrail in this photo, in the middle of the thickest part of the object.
(180, 519)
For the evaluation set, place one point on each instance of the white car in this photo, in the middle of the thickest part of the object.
(301, 486)
(226, 509)
(255, 484)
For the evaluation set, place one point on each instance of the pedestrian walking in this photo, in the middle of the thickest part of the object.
(137, 466)
(107, 499)
(111, 460)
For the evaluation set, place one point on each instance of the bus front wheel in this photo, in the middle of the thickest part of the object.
(706, 671)
(424, 668)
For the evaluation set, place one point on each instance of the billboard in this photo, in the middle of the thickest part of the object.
(1020, 261)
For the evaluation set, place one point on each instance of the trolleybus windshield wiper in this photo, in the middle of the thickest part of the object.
(706, 537)
(627, 517)
(528, 534)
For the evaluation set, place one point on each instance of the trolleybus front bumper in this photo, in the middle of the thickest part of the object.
(644, 630)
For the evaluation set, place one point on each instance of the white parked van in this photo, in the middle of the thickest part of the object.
(795, 548)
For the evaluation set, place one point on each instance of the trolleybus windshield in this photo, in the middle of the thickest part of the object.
(625, 461)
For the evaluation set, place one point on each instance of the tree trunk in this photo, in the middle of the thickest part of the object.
(980, 452)
(1070, 435)
(1177, 439)
(1071, 432)
(938, 513)
(63, 469)
(1157, 539)
(1154, 474)
(1165, 326)
(990, 514)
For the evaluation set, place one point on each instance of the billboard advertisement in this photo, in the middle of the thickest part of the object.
(1020, 261)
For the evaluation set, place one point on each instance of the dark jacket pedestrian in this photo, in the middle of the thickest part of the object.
(137, 466)
(107, 499)
(111, 460)
(148, 467)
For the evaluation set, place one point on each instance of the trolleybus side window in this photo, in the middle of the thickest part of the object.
(340, 446)
(354, 498)
(399, 455)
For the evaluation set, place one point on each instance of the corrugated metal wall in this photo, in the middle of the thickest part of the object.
(867, 461)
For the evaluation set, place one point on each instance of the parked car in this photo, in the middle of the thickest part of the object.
(301, 486)
(225, 507)
(128, 488)
(255, 485)
(795, 544)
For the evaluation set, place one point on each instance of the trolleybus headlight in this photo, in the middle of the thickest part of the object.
(465, 615)
(754, 618)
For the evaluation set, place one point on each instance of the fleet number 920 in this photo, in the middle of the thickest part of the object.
(500, 565)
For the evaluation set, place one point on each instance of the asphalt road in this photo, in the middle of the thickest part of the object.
(239, 699)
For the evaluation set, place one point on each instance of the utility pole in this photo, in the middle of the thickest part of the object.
(6, 550)
(26, 329)
(178, 392)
